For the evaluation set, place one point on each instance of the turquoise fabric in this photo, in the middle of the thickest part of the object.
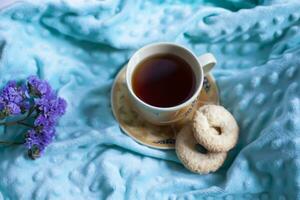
(79, 46)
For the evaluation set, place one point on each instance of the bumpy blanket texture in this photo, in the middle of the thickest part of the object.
(79, 46)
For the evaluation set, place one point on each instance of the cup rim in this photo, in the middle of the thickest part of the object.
(172, 108)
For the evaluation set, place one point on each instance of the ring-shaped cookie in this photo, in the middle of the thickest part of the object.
(215, 128)
(191, 158)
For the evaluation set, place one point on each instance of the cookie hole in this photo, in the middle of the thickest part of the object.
(201, 149)
(218, 129)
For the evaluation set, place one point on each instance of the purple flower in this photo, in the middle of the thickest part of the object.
(2, 111)
(38, 87)
(40, 139)
(13, 108)
(2, 105)
(51, 107)
(43, 121)
(37, 140)
(25, 106)
(39, 100)
(12, 93)
(12, 99)
(32, 139)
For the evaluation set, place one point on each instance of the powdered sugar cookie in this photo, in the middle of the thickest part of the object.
(192, 159)
(215, 128)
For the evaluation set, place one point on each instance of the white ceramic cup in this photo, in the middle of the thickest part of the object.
(162, 115)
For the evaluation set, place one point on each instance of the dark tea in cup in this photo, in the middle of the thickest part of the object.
(164, 80)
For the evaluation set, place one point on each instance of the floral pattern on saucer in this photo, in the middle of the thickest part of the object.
(160, 137)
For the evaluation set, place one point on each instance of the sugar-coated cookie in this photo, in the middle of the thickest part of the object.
(215, 128)
(192, 159)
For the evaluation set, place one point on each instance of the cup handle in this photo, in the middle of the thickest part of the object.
(207, 62)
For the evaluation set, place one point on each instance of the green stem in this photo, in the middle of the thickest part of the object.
(18, 122)
(10, 143)
(9, 123)
(25, 124)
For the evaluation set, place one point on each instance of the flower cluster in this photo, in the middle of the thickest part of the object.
(13, 100)
(40, 102)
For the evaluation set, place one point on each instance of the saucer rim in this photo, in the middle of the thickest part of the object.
(118, 120)
(170, 147)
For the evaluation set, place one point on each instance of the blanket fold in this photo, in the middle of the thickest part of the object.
(79, 46)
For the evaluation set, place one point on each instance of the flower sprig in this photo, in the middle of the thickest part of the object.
(41, 108)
